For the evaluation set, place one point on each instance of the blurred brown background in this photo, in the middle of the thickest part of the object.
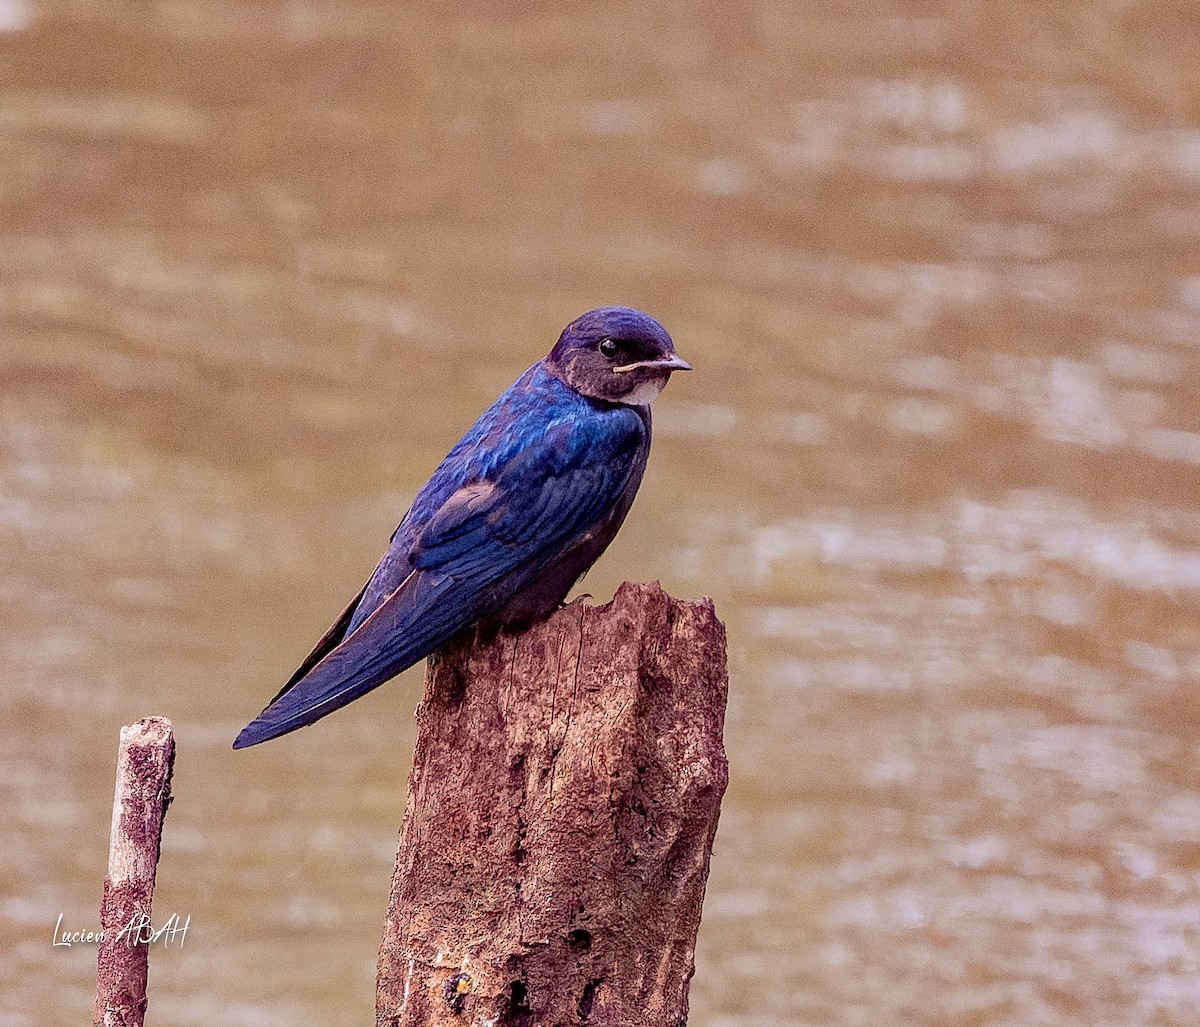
(936, 266)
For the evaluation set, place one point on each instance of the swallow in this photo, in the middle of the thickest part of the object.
(517, 512)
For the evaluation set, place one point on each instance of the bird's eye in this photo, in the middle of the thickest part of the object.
(609, 347)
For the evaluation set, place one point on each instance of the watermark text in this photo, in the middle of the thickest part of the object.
(138, 931)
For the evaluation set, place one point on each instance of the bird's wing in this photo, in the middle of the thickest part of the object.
(487, 541)
(537, 506)
(328, 642)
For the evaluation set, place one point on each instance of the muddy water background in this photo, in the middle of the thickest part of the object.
(939, 465)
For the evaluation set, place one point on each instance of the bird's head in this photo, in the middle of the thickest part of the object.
(615, 354)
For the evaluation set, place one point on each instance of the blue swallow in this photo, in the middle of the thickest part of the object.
(518, 511)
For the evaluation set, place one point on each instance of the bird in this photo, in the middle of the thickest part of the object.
(516, 513)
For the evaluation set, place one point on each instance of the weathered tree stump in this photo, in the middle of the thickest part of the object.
(144, 762)
(564, 795)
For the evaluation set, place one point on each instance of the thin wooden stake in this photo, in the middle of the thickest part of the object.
(144, 762)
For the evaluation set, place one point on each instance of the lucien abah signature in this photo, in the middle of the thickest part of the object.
(138, 931)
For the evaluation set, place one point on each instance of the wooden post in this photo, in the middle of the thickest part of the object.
(561, 811)
(144, 761)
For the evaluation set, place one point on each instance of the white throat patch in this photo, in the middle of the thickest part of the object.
(645, 393)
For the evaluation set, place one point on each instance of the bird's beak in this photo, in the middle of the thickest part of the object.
(672, 363)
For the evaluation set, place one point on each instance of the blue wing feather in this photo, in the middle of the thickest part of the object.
(540, 469)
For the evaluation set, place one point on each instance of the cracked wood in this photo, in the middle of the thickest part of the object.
(562, 805)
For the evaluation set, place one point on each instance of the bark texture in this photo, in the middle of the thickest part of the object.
(564, 795)
(144, 763)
